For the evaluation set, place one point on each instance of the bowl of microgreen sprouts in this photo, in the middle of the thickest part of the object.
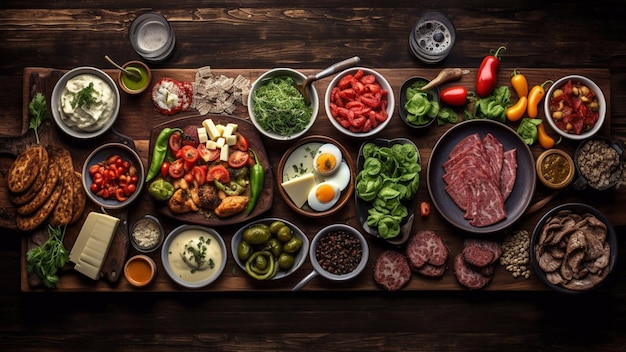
(277, 108)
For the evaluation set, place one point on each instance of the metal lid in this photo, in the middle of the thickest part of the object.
(432, 38)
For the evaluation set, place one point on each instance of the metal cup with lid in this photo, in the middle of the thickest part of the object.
(432, 38)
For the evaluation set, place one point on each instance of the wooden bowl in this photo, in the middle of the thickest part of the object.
(140, 270)
(128, 85)
(549, 163)
(313, 141)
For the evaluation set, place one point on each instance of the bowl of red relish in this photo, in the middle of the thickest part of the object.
(575, 107)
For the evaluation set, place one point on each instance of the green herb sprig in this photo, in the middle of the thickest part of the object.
(38, 111)
(84, 97)
(47, 259)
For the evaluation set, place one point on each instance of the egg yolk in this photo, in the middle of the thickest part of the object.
(325, 193)
(326, 162)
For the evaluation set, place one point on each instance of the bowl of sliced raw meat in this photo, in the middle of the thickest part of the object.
(481, 176)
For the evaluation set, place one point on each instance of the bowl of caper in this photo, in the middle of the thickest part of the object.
(270, 248)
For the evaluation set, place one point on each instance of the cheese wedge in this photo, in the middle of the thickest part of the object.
(298, 188)
(92, 244)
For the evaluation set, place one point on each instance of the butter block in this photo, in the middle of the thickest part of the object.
(92, 243)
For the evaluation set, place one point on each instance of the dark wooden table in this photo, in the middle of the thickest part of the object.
(261, 35)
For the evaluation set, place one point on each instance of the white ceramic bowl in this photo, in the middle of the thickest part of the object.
(299, 258)
(317, 267)
(101, 154)
(298, 77)
(601, 102)
(199, 230)
(58, 90)
(384, 85)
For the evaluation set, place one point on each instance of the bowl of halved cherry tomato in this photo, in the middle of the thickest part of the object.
(113, 175)
(359, 102)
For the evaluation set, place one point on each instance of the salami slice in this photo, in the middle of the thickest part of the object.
(392, 270)
(426, 247)
(467, 276)
(430, 270)
(481, 252)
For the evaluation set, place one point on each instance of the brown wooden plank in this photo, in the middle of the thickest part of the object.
(137, 114)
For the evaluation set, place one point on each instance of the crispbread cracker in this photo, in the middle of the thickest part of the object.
(31, 221)
(80, 198)
(62, 213)
(54, 174)
(30, 193)
(25, 168)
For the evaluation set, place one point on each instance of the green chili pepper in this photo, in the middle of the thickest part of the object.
(231, 188)
(257, 179)
(159, 152)
(261, 265)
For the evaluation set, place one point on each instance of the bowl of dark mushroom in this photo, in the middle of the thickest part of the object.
(573, 248)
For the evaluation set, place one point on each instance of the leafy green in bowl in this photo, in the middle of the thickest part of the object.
(277, 109)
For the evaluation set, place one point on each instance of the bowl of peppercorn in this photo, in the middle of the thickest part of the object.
(338, 253)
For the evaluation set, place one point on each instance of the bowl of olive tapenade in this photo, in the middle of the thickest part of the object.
(599, 164)
(555, 168)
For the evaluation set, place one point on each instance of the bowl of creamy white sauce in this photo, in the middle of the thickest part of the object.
(85, 102)
(194, 256)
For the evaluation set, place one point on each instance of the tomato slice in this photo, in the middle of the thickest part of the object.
(238, 159)
(119, 195)
(175, 141)
(177, 168)
(241, 143)
(189, 178)
(218, 172)
(190, 154)
(168, 96)
(199, 173)
(207, 154)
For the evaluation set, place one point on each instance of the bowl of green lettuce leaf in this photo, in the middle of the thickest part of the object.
(418, 109)
(277, 108)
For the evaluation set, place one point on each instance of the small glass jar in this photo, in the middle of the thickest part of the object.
(152, 36)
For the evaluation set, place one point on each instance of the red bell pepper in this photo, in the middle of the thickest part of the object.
(487, 75)
(455, 96)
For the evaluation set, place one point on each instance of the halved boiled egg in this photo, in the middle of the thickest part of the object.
(341, 177)
(327, 159)
(323, 196)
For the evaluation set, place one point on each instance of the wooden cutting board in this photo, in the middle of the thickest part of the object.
(49, 135)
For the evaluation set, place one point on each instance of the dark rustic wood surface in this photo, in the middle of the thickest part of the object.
(300, 34)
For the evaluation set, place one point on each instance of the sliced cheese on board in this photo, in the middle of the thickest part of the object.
(92, 244)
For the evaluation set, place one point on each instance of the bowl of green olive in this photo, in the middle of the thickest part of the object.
(270, 248)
